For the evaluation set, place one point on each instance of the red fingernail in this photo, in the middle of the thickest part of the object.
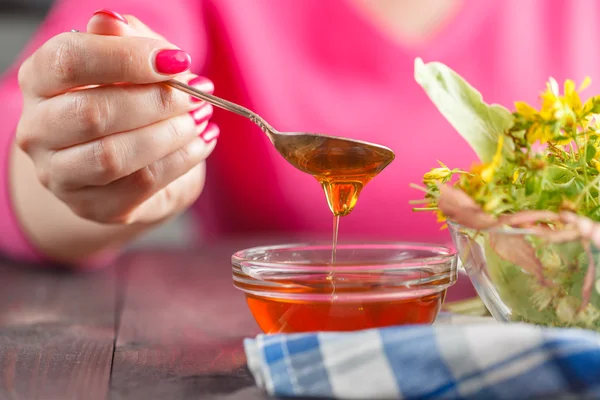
(112, 14)
(203, 84)
(202, 114)
(172, 61)
(211, 132)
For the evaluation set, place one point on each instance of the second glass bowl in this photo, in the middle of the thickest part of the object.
(506, 267)
(295, 288)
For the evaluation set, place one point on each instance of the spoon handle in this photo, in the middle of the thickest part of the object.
(222, 103)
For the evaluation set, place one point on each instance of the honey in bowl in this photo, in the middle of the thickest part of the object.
(288, 289)
(278, 316)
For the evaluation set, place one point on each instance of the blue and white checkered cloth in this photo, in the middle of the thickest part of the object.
(474, 361)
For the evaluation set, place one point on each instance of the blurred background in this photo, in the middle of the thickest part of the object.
(18, 21)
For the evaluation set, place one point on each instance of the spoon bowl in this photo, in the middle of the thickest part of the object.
(323, 155)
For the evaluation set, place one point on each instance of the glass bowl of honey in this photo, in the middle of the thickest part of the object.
(294, 288)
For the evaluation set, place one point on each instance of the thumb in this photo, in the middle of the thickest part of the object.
(111, 23)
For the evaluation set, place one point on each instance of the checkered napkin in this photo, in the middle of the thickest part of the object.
(472, 361)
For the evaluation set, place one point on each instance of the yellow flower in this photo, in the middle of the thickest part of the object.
(515, 177)
(556, 113)
(557, 108)
(565, 109)
(550, 100)
(473, 180)
(488, 172)
(589, 104)
(441, 218)
(571, 97)
(595, 164)
(526, 111)
(539, 131)
(437, 174)
(587, 81)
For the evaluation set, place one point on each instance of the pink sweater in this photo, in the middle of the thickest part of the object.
(320, 66)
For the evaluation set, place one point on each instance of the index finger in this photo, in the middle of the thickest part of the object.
(72, 60)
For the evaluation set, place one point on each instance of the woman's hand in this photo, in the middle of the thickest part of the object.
(106, 137)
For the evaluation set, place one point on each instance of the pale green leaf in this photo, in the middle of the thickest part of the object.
(479, 123)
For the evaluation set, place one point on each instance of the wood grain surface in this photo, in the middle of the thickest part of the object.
(56, 333)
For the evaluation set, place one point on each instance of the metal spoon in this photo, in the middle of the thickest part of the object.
(315, 154)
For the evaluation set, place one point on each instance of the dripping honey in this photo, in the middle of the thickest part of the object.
(341, 168)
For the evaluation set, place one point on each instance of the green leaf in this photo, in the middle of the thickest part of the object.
(544, 200)
(479, 123)
(590, 152)
(594, 213)
(561, 181)
(532, 185)
(557, 173)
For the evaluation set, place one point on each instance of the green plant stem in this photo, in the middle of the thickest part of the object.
(586, 190)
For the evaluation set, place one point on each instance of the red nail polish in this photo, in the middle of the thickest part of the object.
(112, 14)
(202, 114)
(172, 61)
(211, 132)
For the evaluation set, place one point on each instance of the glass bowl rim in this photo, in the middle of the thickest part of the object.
(444, 254)
(287, 280)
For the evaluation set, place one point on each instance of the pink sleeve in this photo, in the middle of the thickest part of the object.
(180, 22)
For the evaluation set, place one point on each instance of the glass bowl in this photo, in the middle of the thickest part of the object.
(294, 287)
(521, 277)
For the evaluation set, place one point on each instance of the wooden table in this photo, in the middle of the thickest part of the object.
(159, 325)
